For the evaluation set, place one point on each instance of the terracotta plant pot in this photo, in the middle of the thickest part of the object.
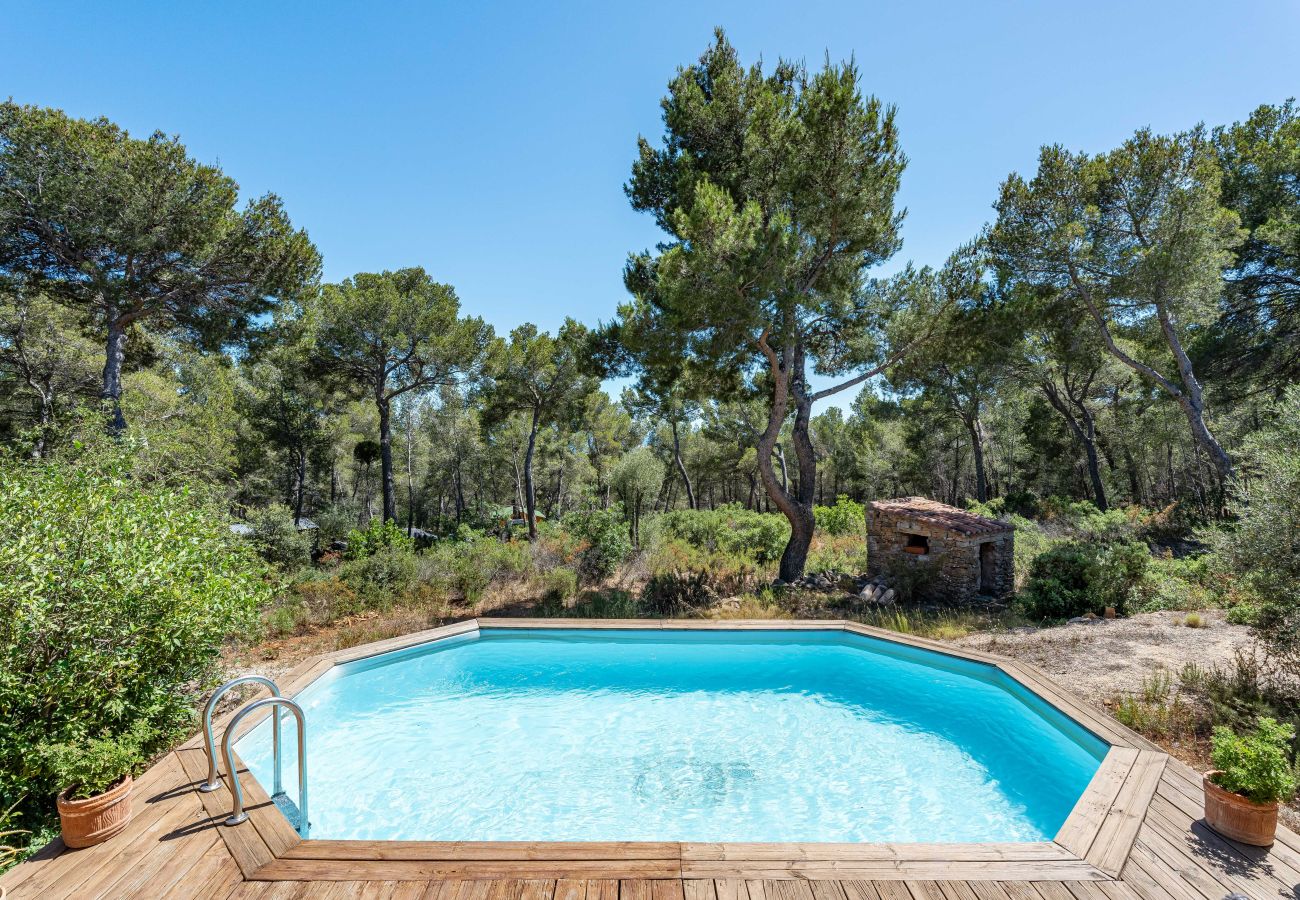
(94, 820)
(1237, 818)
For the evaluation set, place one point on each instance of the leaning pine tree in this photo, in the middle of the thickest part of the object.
(777, 191)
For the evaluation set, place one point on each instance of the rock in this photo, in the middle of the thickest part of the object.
(887, 597)
(1089, 619)
(779, 583)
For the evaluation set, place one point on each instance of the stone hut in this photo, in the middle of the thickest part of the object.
(968, 555)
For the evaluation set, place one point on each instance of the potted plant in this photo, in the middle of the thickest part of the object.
(1251, 775)
(95, 775)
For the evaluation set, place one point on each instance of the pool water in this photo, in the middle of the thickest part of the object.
(575, 735)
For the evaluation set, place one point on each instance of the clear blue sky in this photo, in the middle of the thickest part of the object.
(488, 142)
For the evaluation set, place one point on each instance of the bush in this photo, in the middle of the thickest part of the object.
(730, 529)
(673, 593)
(376, 536)
(89, 767)
(607, 542)
(559, 585)
(278, 539)
(335, 521)
(1074, 578)
(116, 596)
(1255, 765)
(844, 518)
(382, 576)
(1263, 554)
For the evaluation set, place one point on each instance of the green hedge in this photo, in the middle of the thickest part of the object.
(116, 596)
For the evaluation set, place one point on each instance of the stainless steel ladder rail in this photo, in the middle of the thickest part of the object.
(213, 780)
(237, 814)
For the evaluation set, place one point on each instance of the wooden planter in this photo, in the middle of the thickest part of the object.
(94, 820)
(1235, 817)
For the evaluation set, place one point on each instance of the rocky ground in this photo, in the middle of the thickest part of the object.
(1111, 656)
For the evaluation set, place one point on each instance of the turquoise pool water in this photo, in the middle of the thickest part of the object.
(570, 735)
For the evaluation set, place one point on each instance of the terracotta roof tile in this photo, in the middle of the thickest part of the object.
(941, 514)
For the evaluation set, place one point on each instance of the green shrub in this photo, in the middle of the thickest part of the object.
(92, 766)
(278, 539)
(1262, 555)
(606, 539)
(844, 518)
(730, 529)
(559, 585)
(1255, 765)
(677, 592)
(335, 521)
(116, 596)
(1074, 578)
(377, 535)
(1173, 583)
(382, 576)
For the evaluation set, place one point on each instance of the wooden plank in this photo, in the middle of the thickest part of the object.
(215, 875)
(165, 864)
(602, 889)
(730, 889)
(1030, 850)
(855, 889)
(912, 640)
(1216, 855)
(755, 889)
(1085, 820)
(827, 890)
(402, 642)
(483, 850)
(570, 889)
(289, 869)
(892, 890)
(886, 869)
(667, 889)
(925, 890)
(957, 890)
(1164, 840)
(1118, 831)
(634, 889)
(699, 889)
(244, 841)
(788, 890)
(1053, 890)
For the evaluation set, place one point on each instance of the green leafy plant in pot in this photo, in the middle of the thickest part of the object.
(95, 802)
(1252, 774)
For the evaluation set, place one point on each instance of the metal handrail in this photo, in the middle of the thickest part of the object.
(237, 814)
(213, 780)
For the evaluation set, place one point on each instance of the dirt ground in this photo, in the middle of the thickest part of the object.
(1110, 657)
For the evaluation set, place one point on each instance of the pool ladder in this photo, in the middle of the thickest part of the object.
(295, 813)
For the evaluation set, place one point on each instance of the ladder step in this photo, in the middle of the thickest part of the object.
(291, 812)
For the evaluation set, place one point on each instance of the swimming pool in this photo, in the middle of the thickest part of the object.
(697, 735)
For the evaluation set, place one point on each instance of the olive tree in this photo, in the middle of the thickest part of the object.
(777, 194)
(637, 480)
(132, 232)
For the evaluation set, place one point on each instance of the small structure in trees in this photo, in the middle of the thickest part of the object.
(954, 555)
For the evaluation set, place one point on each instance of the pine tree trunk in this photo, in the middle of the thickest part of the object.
(111, 388)
(530, 495)
(681, 468)
(386, 458)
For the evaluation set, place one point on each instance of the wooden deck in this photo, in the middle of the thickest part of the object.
(1135, 834)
